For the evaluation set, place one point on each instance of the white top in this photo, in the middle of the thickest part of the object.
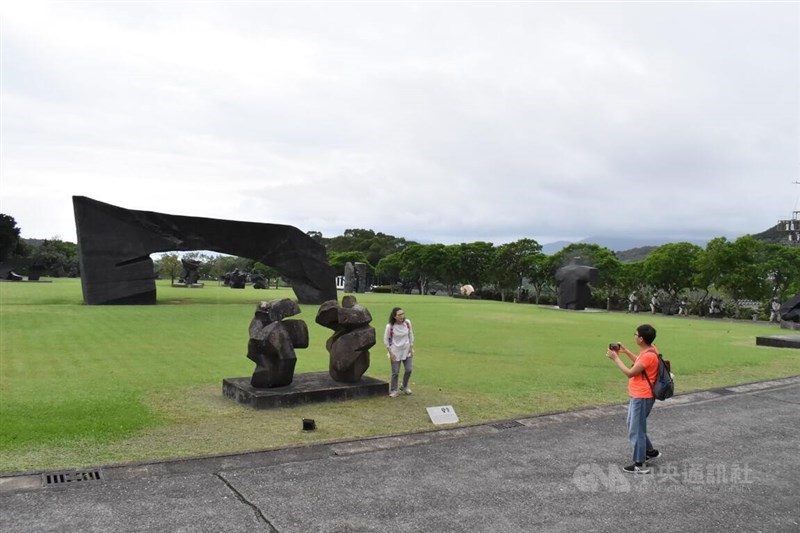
(399, 339)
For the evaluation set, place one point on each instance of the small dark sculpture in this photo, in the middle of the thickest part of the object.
(13, 276)
(790, 310)
(191, 271)
(9, 269)
(353, 337)
(236, 279)
(259, 281)
(573, 286)
(273, 341)
(114, 247)
(35, 272)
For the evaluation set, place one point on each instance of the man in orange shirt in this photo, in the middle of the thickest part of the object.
(641, 395)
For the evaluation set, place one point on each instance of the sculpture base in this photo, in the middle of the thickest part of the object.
(779, 341)
(785, 324)
(313, 387)
(188, 286)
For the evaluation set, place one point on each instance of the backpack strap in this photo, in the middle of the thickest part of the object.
(391, 330)
(644, 373)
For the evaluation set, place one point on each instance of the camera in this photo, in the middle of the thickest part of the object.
(613, 346)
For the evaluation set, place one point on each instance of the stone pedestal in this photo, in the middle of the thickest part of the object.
(305, 388)
(779, 341)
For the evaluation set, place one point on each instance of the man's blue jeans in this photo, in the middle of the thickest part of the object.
(638, 410)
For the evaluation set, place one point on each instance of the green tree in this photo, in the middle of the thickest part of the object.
(783, 267)
(450, 269)
(738, 268)
(339, 259)
(169, 264)
(59, 258)
(537, 269)
(476, 262)
(389, 268)
(10, 243)
(375, 246)
(422, 263)
(510, 264)
(317, 236)
(672, 267)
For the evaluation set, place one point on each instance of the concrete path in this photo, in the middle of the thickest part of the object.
(731, 463)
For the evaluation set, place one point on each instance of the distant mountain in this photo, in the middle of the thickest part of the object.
(629, 249)
(773, 235)
(620, 244)
(616, 244)
(554, 247)
(626, 249)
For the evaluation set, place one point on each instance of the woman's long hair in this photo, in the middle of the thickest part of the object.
(393, 314)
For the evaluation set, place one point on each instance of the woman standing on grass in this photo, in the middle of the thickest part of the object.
(399, 340)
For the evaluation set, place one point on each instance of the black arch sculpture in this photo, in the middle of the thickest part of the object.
(114, 247)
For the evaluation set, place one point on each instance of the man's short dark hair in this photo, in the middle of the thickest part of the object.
(647, 333)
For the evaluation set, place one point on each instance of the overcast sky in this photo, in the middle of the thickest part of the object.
(439, 122)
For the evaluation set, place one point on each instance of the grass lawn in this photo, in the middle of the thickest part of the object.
(87, 385)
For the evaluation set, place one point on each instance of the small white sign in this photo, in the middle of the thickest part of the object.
(443, 414)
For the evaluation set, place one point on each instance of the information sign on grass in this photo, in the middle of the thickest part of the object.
(442, 414)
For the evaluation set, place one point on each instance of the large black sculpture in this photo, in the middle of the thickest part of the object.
(273, 341)
(115, 244)
(573, 286)
(352, 338)
(790, 311)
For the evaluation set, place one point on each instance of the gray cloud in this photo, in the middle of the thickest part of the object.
(442, 122)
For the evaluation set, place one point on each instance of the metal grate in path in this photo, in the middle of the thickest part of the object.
(507, 425)
(61, 478)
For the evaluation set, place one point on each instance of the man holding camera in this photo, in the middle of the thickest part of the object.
(641, 395)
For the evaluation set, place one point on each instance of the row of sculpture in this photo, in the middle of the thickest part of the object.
(274, 338)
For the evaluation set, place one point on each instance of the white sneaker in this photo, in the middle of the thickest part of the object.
(393, 394)
(407, 390)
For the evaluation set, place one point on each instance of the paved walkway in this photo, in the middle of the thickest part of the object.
(730, 463)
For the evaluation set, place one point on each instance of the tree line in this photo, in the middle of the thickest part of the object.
(743, 269)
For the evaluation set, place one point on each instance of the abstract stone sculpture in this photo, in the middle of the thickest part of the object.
(273, 341)
(361, 277)
(13, 276)
(115, 244)
(353, 337)
(236, 279)
(259, 281)
(191, 271)
(35, 272)
(573, 286)
(350, 280)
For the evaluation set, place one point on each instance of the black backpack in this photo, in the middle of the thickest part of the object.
(664, 386)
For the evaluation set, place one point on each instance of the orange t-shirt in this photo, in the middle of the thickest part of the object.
(638, 387)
